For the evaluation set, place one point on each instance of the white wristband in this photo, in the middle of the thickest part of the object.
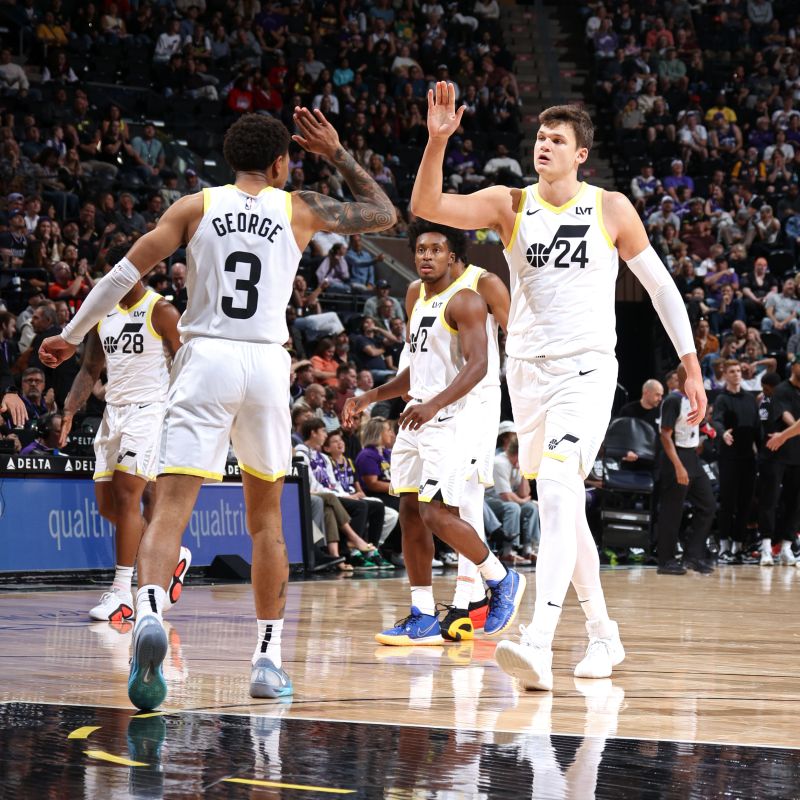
(101, 300)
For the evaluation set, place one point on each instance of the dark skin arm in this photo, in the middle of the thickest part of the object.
(165, 322)
(94, 360)
(681, 475)
(494, 292)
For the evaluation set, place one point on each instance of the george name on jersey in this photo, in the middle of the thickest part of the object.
(246, 223)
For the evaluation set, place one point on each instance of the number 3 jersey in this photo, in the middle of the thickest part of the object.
(563, 268)
(241, 263)
(135, 360)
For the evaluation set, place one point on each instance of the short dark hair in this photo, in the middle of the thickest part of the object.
(771, 379)
(309, 426)
(325, 343)
(254, 141)
(343, 369)
(574, 116)
(456, 239)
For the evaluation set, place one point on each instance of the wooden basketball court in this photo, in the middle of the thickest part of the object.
(705, 704)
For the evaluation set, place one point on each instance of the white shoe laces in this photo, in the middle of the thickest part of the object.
(527, 639)
(595, 646)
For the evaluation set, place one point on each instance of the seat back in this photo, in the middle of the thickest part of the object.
(629, 433)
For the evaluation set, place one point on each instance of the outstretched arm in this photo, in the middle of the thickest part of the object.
(495, 207)
(312, 212)
(628, 234)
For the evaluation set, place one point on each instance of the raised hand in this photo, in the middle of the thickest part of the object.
(443, 119)
(317, 135)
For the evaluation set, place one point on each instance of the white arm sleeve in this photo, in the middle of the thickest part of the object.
(667, 300)
(106, 293)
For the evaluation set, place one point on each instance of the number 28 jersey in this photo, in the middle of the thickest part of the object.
(241, 263)
(563, 268)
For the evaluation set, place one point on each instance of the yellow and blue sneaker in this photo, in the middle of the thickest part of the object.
(504, 602)
(417, 628)
(457, 625)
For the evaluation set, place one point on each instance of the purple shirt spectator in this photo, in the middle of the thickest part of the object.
(372, 461)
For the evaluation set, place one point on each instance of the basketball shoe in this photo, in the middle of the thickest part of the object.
(267, 680)
(530, 661)
(477, 613)
(178, 577)
(416, 628)
(146, 685)
(604, 652)
(504, 602)
(114, 606)
(456, 625)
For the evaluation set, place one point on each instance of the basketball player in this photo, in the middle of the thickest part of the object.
(230, 380)
(468, 611)
(563, 239)
(134, 342)
(435, 454)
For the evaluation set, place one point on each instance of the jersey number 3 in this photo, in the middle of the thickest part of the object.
(248, 284)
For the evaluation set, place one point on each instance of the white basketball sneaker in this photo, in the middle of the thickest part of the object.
(604, 652)
(178, 577)
(114, 606)
(766, 558)
(530, 661)
(787, 558)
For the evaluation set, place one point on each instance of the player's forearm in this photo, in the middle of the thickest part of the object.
(396, 387)
(427, 191)
(79, 392)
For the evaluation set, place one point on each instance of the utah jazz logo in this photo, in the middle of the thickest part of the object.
(417, 341)
(567, 437)
(128, 341)
(539, 254)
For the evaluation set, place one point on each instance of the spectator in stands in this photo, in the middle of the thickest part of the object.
(300, 413)
(13, 80)
(364, 383)
(362, 264)
(510, 499)
(303, 378)
(373, 463)
(313, 398)
(38, 401)
(48, 430)
(731, 309)
(329, 415)
(149, 149)
(644, 187)
(323, 363)
(503, 167)
(311, 321)
(647, 407)
(369, 348)
(665, 215)
(382, 289)
(9, 348)
(334, 273)
(705, 341)
(677, 179)
(345, 388)
(782, 311)
(756, 287)
(177, 276)
(14, 241)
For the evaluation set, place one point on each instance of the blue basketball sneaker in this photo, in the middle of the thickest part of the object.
(416, 628)
(146, 685)
(504, 602)
(267, 680)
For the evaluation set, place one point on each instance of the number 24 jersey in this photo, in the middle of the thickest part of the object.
(563, 268)
(241, 263)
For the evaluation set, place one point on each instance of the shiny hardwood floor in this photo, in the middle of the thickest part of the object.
(709, 659)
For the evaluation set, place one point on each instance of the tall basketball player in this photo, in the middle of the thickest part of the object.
(134, 343)
(563, 239)
(436, 453)
(230, 380)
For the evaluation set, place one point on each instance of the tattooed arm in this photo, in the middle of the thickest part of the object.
(93, 361)
(311, 212)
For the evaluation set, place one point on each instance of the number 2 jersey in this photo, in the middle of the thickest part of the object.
(136, 363)
(241, 263)
(563, 268)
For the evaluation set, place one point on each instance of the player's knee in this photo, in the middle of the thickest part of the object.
(107, 509)
(127, 498)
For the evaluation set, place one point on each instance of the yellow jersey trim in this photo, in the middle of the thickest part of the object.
(600, 222)
(447, 326)
(153, 332)
(197, 473)
(275, 476)
(136, 305)
(530, 475)
(405, 490)
(206, 200)
(288, 205)
(554, 456)
(517, 221)
(559, 209)
(98, 475)
(423, 295)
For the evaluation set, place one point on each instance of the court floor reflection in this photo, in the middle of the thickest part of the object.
(89, 752)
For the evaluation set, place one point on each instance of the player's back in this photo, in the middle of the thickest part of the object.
(563, 268)
(241, 263)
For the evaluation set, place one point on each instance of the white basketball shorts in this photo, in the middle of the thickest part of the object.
(488, 422)
(561, 409)
(222, 392)
(129, 440)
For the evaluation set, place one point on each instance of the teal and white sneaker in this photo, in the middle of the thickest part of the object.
(416, 628)
(267, 680)
(146, 685)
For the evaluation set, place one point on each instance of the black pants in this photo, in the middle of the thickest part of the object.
(737, 480)
(357, 509)
(778, 499)
(672, 497)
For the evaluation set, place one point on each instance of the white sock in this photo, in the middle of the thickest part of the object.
(766, 546)
(422, 598)
(478, 591)
(123, 576)
(471, 511)
(491, 569)
(269, 641)
(586, 576)
(558, 551)
(736, 547)
(464, 589)
(786, 547)
(724, 545)
(150, 601)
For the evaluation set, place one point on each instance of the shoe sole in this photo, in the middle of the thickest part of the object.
(517, 602)
(122, 613)
(146, 685)
(263, 690)
(512, 663)
(176, 585)
(407, 641)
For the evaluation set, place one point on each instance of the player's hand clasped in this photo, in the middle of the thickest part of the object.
(55, 351)
(416, 415)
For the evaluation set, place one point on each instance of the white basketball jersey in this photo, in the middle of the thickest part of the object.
(434, 348)
(136, 363)
(563, 268)
(241, 263)
(472, 275)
